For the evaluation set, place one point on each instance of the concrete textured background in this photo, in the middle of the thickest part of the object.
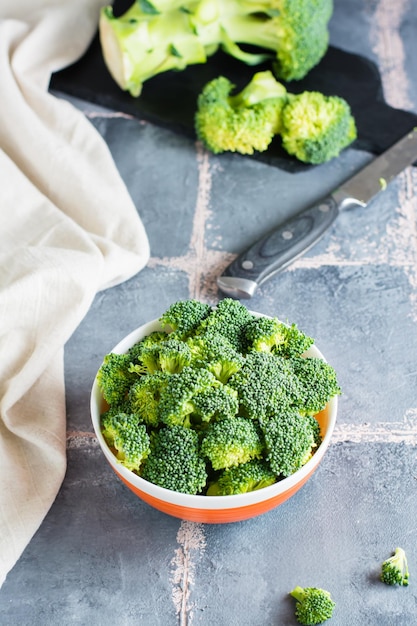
(104, 557)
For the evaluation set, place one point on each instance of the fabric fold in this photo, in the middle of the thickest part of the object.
(68, 228)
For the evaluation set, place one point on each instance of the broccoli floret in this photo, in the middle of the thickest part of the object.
(154, 37)
(394, 570)
(290, 440)
(295, 31)
(318, 383)
(175, 462)
(265, 334)
(313, 605)
(169, 356)
(245, 122)
(128, 437)
(231, 442)
(184, 316)
(194, 395)
(214, 352)
(114, 377)
(249, 476)
(316, 127)
(229, 319)
(265, 384)
(145, 395)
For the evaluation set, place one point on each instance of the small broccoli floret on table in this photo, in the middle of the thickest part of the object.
(231, 442)
(265, 334)
(250, 476)
(145, 394)
(290, 440)
(214, 352)
(194, 395)
(128, 437)
(394, 570)
(316, 127)
(318, 382)
(245, 122)
(265, 384)
(313, 605)
(184, 316)
(114, 377)
(175, 462)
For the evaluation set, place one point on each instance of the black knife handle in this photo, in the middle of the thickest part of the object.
(278, 249)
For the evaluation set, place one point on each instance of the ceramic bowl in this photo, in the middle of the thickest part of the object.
(210, 509)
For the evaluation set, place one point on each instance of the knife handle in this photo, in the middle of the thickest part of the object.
(278, 249)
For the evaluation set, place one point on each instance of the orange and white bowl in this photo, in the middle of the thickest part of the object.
(210, 509)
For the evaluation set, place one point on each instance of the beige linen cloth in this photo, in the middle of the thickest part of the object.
(68, 228)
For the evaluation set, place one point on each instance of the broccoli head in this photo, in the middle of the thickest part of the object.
(195, 395)
(294, 31)
(318, 383)
(128, 437)
(265, 334)
(290, 440)
(228, 319)
(169, 356)
(174, 462)
(184, 316)
(114, 377)
(265, 385)
(214, 352)
(394, 570)
(245, 122)
(250, 476)
(313, 605)
(316, 127)
(231, 442)
(145, 395)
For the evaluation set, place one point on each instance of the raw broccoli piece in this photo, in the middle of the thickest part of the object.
(154, 37)
(231, 442)
(174, 461)
(265, 384)
(114, 377)
(169, 356)
(313, 605)
(184, 316)
(265, 334)
(318, 382)
(214, 352)
(145, 395)
(295, 31)
(128, 437)
(316, 127)
(249, 476)
(290, 440)
(144, 41)
(394, 570)
(229, 319)
(194, 395)
(245, 122)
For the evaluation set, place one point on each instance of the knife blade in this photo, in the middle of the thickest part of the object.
(282, 246)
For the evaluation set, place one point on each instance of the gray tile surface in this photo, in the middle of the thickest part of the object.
(104, 557)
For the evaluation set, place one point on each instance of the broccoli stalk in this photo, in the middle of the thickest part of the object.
(313, 605)
(154, 37)
(394, 570)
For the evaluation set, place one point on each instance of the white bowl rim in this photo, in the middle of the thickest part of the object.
(202, 501)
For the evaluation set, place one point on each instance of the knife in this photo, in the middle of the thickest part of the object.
(279, 248)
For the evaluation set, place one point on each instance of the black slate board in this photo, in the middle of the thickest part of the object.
(169, 99)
